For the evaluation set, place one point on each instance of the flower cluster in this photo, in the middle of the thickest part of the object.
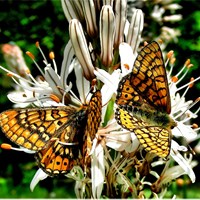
(103, 45)
(160, 17)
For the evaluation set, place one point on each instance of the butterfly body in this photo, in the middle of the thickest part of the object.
(144, 104)
(56, 134)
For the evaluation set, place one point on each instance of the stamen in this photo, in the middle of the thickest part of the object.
(126, 66)
(94, 82)
(174, 79)
(27, 71)
(9, 74)
(170, 70)
(194, 126)
(192, 83)
(189, 86)
(38, 46)
(180, 88)
(55, 98)
(41, 78)
(52, 56)
(183, 76)
(33, 59)
(66, 93)
(172, 61)
(28, 53)
(188, 108)
(197, 100)
(32, 78)
(170, 54)
(181, 70)
(187, 62)
(7, 146)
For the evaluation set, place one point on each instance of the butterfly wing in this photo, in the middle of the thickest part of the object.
(149, 77)
(32, 128)
(154, 138)
(93, 122)
(61, 155)
(126, 94)
(147, 83)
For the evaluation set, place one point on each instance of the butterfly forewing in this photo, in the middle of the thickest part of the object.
(149, 77)
(32, 128)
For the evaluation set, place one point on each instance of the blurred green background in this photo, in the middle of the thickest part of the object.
(24, 23)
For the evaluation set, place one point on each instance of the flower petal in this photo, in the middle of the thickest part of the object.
(39, 176)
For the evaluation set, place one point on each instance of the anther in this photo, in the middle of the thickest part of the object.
(126, 66)
(169, 54)
(51, 55)
(27, 71)
(94, 82)
(172, 60)
(192, 84)
(30, 55)
(37, 44)
(197, 99)
(55, 98)
(6, 146)
(189, 66)
(9, 74)
(194, 126)
(174, 79)
(41, 78)
(187, 62)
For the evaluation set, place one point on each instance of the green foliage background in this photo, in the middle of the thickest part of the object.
(24, 23)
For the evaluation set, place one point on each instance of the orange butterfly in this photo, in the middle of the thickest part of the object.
(144, 101)
(56, 134)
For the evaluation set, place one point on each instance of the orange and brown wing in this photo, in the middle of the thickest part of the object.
(93, 122)
(126, 94)
(75, 141)
(149, 79)
(33, 128)
(62, 154)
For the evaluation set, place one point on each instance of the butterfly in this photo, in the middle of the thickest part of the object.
(144, 104)
(56, 134)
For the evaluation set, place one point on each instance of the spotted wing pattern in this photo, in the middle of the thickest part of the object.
(32, 128)
(146, 88)
(56, 134)
(154, 138)
(147, 82)
(93, 122)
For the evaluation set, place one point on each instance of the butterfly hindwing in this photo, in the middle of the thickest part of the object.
(153, 137)
(61, 154)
